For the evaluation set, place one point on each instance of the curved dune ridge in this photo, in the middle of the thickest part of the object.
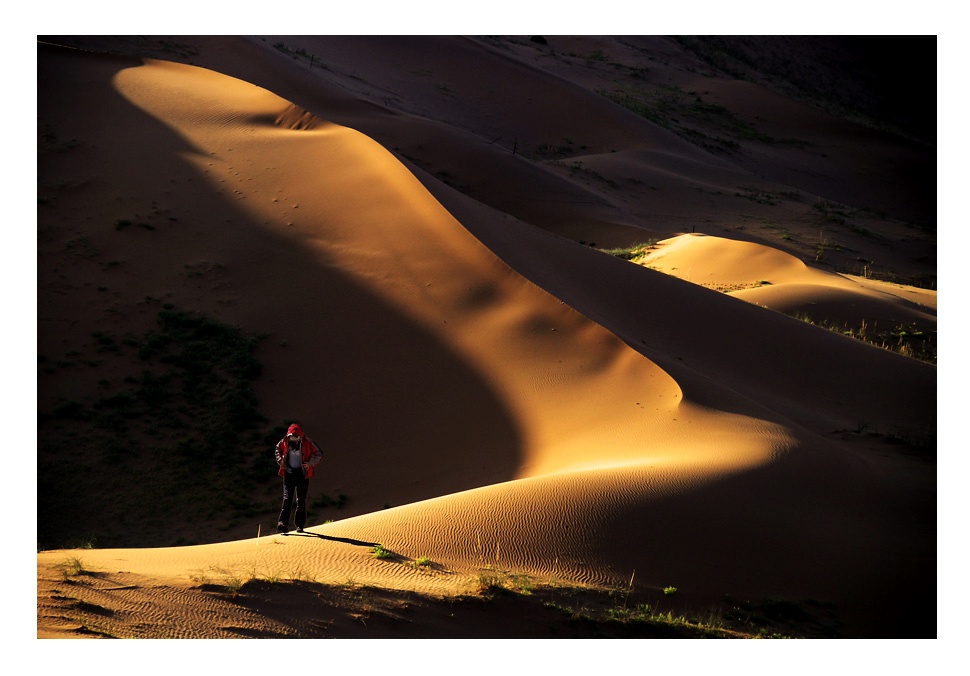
(524, 431)
(395, 238)
(777, 280)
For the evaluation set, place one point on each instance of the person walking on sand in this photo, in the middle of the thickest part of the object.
(297, 456)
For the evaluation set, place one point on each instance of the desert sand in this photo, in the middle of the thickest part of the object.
(419, 229)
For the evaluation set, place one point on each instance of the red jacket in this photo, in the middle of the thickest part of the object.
(311, 452)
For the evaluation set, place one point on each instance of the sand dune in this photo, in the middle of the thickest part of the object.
(493, 392)
(773, 279)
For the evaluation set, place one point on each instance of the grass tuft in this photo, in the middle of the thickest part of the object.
(73, 567)
(380, 552)
(906, 339)
(634, 252)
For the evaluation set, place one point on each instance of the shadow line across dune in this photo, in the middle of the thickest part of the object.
(385, 396)
(330, 538)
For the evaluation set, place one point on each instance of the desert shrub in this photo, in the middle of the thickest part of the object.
(380, 552)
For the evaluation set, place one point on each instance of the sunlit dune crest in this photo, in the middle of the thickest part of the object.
(774, 279)
(534, 350)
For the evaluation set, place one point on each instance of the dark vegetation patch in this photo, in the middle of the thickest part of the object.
(852, 76)
(686, 113)
(178, 438)
(909, 340)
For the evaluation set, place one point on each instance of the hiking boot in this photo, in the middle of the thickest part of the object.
(281, 527)
(299, 529)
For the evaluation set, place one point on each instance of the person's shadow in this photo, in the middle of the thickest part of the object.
(349, 541)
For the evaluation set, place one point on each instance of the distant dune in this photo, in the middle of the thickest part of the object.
(591, 313)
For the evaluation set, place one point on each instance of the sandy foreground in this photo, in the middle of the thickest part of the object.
(501, 399)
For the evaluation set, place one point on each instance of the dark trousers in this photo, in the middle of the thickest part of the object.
(295, 485)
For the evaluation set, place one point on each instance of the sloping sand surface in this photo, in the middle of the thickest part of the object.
(776, 280)
(494, 393)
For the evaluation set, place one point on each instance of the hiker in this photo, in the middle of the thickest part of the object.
(297, 456)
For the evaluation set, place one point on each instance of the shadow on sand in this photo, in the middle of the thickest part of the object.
(349, 541)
